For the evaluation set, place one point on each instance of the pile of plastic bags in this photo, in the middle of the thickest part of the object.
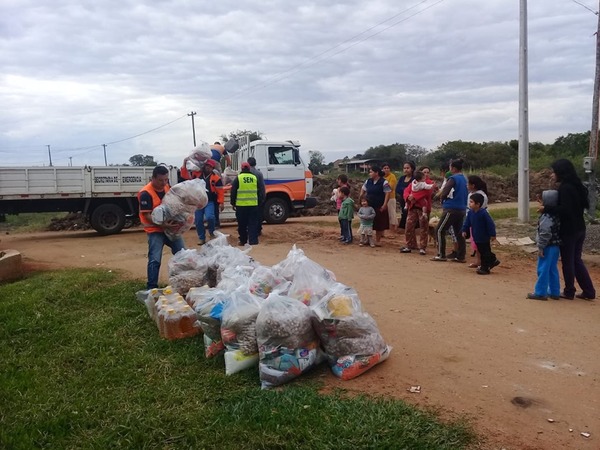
(285, 319)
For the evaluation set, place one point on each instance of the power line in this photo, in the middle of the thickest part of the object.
(586, 7)
(320, 57)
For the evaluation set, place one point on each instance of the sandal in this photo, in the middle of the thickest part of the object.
(405, 250)
(473, 265)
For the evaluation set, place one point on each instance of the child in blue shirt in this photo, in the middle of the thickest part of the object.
(483, 228)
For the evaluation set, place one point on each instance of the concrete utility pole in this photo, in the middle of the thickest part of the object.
(49, 155)
(589, 163)
(105, 162)
(192, 114)
(523, 178)
(70, 161)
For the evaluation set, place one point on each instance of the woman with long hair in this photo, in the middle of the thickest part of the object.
(408, 175)
(377, 190)
(572, 201)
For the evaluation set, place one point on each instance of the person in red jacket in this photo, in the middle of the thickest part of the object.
(216, 198)
(149, 197)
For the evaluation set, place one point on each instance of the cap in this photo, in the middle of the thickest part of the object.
(211, 162)
(245, 165)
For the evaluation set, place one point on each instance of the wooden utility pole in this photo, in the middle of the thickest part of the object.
(192, 114)
(523, 171)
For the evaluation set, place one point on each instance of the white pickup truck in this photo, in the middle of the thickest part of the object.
(106, 195)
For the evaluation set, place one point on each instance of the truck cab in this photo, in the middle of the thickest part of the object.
(288, 180)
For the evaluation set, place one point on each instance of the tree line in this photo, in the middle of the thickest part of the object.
(495, 156)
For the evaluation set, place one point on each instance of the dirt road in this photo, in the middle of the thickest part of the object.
(473, 343)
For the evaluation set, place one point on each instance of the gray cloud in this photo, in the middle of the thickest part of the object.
(79, 75)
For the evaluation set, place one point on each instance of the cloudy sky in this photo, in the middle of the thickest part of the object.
(340, 76)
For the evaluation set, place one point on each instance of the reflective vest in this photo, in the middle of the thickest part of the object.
(247, 193)
(150, 227)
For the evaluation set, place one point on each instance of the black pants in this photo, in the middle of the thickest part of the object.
(451, 218)
(247, 219)
(487, 256)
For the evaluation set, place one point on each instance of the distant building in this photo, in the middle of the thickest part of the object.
(357, 165)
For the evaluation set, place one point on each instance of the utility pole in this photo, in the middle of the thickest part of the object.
(590, 162)
(105, 162)
(49, 155)
(70, 161)
(192, 114)
(523, 178)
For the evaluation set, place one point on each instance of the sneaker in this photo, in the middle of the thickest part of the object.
(439, 258)
(495, 263)
(201, 242)
(361, 244)
(459, 260)
(567, 297)
(452, 255)
(372, 245)
(533, 296)
(483, 272)
(405, 250)
(212, 236)
(422, 252)
(554, 297)
(584, 297)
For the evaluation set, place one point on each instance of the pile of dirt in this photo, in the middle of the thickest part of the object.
(71, 222)
(500, 189)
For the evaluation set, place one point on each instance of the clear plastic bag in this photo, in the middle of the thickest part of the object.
(311, 281)
(209, 309)
(263, 280)
(349, 336)
(288, 345)
(197, 156)
(238, 330)
(228, 176)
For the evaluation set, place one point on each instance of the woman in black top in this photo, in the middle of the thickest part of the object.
(572, 200)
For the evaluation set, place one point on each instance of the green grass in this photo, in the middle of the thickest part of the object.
(83, 367)
(29, 222)
(511, 213)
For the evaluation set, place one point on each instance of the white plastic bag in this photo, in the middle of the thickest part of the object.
(197, 156)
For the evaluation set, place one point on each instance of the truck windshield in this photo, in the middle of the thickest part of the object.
(283, 155)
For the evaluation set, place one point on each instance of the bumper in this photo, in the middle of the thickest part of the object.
(309, 202)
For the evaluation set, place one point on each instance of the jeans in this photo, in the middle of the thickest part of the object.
(346, 230)
(247, 219)
(548, 282)
(207, 213)
(156, 242)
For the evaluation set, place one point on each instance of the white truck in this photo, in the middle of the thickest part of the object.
(106, 195)
(288, 180)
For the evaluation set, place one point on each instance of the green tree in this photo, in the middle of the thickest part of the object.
(254, 135)
(143, 161)
(573, 145)
(317, 162)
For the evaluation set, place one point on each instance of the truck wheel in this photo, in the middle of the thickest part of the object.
(276, 210)
(108, 219)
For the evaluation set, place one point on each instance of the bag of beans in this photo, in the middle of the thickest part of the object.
(287, 343)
